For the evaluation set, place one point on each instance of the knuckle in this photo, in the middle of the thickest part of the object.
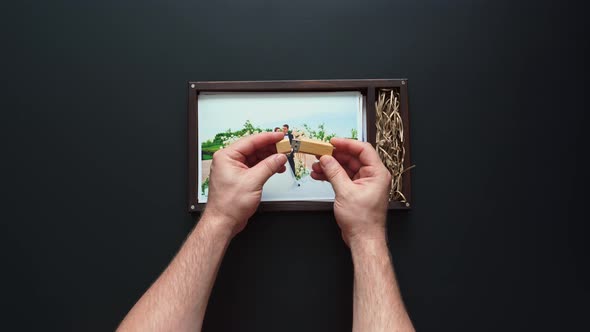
(217, 155)
(268, 165)
(334, 173)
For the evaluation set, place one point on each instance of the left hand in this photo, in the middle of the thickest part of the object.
(238, 173)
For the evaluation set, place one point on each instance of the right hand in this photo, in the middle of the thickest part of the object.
(361, 183)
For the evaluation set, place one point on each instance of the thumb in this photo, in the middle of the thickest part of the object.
(335, 174)
(266, 168)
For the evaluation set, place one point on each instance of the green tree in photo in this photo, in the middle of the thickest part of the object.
(249, 127)
(223, 139)
(319, 134)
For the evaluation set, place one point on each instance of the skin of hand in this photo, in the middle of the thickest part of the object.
(238, 173)
(178, 299)
(361, 183)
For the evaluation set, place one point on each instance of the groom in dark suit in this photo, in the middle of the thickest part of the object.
(290, 155)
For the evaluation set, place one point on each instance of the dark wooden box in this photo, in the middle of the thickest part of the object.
(368, 87)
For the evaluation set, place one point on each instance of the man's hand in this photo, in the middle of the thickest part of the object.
(362, 185)
(178, 299)
(238, 173)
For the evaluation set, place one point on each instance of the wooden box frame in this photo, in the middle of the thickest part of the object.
(368, 87)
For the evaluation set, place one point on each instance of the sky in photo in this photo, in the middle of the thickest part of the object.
(339, 111)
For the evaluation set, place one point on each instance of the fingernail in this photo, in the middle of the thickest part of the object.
(280, 156)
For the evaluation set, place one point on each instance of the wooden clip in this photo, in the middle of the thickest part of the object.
(305, 145)
(284, 146)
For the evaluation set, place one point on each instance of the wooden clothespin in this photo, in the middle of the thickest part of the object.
(305, 145)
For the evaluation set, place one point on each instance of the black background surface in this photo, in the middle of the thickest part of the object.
(94, 159)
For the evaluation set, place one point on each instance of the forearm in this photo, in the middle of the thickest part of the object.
(178, 299)
(377, 304)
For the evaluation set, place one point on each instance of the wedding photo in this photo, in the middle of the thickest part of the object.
(224, 118)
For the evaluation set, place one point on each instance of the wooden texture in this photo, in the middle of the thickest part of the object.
(368, 87)
(406, 179)
(192, 127)
(284, 146)
(315, 147)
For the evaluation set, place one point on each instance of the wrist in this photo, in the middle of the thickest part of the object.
(220, 225)
(368, 239)
(364, 229)
(368, 250)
